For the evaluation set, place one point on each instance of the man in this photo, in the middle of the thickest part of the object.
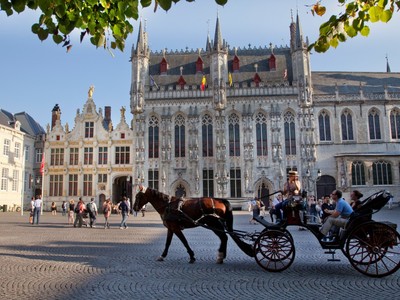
(124, 208)
(338, 217)
(291, 188)
(37, 208)
(91, 208)
(79, 210)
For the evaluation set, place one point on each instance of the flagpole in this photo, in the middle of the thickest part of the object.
(42, 173)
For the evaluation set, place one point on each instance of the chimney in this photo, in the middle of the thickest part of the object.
(107, 113)
(55, 114)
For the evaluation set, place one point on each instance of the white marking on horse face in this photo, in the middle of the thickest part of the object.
(142, 189)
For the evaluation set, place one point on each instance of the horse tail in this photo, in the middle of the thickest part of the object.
(246, 248)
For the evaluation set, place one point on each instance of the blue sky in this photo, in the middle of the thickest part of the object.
(35, 75)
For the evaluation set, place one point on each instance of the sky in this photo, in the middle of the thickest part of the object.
(35, 75)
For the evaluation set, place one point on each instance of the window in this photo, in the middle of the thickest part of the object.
(395, 124)
(73, 156)
(235, 64)
(179, 136)
(89, 129)
(153, 179)
(26, 149)
(382, 173)
(324, 127)
(122, 155)
(357, 173)
(102, 178)
(261, 135)
(290, 134)
(199, 65)
(272, 63)
(56, 185)
(6, 148)
(88, 156)
(346, 121)
(163, 66)
(4, 179)
(38, 155)
(87, 184)
(208, 183)
(374, 125)
(234, 135)
(103, 155)
(73, 185)
(15, 179)
(57, 157)
(153, 137)
(235, 180)
(207, 136)
(17, 149)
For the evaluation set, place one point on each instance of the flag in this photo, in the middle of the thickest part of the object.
(230, 78)
(203, 83)
(153, 82)
(285, 74)
(42, 165)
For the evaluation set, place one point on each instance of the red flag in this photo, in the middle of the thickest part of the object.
(42, 165)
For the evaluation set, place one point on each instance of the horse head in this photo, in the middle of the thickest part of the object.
(140, 198)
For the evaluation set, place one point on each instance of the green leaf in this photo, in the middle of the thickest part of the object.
(386, 16)
(57, 38)
(165, 4)
(374, 13)
(100, 42)
(60, 11)
(43, 34)
(334, 42)
(144, 3)
(351, 32)
(18, 5)
(365, 31)
(35, 28)
(221, 2)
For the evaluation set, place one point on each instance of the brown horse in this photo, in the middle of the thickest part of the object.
(178, 214)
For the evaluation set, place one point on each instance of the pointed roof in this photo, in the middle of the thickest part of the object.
(387, 65)
(218, 42)
(299, 33)
(141, 43)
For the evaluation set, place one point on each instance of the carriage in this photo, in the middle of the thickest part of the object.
(373, 248)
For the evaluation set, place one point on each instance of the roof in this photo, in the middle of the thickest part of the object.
(28, 124)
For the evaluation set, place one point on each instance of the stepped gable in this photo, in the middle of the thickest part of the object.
(325, 83)
(249, 57)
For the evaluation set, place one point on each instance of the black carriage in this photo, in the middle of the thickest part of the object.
(373, 248)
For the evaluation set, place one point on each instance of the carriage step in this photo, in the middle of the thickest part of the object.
(333, 255)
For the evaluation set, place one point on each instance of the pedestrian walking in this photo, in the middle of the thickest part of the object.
(38, 207)
(123, 207)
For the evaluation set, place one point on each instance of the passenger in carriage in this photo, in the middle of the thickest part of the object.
(291, 188)
(326, 206)
(355, 199)
(338, 217)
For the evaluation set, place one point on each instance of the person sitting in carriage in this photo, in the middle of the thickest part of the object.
(291, 189)
(338, 217)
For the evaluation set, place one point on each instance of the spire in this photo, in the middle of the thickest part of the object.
(387, 65)
(299, 33)
(141, 44)
(218, 36)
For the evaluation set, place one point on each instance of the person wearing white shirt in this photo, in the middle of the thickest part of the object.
(37, 208)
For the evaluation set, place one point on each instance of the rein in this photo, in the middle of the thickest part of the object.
(266, 196)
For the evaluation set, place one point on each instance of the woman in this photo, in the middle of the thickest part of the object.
(106, 212)
(71, 212)
(53, 209)
(291, 188)
(355, 199)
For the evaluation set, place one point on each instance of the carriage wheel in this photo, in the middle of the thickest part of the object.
(274, 250)
(374, 249)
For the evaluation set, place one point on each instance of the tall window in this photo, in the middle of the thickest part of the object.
(346, 121)
(73, 156)
(154, 138)
(122, 155)
(38, 155)
(208, 183)
(103, 155)
(261, 134)
(89, 129)
(290, 134)
(57, 157)
(73, 185)
(357, 173)
(17, 149)
(6, 148)
(235, 180)
(374, 125)
(102, 178)
(207, 136)
(4, 179)
(56, 185)
(15, 179)
(382, 173)
(395, 124)
(27, 150)
(324, 127)
(234, 135)
(87, 184)
(179, 136)
(153, 179)
(88, 156)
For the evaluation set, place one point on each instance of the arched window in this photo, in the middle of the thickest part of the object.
(180, 191)
(346, 121)
(395, 124)
(199, 65)
(324, 124)
(235, 181)
(179, 136)
(290, 134)
(382, 173)
(207, 136)
(374, 125)
(163, 66)
(234, 135)
(272, 63)
(236, 64)
(261, 134)
(357, 173)
(154, 137)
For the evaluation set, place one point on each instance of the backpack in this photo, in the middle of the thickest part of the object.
(89, 207)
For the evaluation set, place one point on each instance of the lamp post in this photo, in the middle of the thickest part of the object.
(222, 180)
(313, 179)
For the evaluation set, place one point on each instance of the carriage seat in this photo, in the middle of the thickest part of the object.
(262, 221)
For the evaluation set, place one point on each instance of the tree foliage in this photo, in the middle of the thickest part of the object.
(107, 22)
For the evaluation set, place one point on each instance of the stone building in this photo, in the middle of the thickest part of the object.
(231, 122)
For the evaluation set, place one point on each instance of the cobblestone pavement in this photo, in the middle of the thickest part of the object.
(55, 261)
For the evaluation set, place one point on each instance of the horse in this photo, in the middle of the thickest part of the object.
(181, 213)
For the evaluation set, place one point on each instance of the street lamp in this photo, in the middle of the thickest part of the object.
(222, 179)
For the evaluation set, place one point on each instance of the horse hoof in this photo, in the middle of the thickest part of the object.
(192, 260)
(160, 258)
(220, 261)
